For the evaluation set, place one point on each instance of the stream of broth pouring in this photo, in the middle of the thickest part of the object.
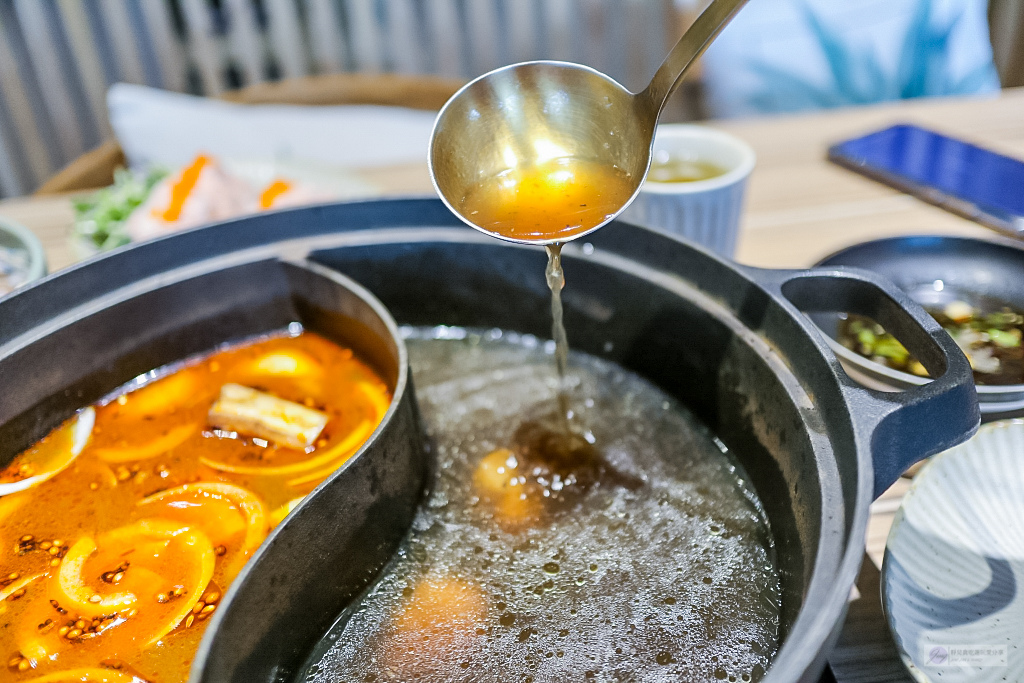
(556, 280)
(558, 199)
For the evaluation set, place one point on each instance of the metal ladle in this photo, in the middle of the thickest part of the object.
(518, 114)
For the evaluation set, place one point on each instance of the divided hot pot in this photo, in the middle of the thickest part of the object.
(732, 343)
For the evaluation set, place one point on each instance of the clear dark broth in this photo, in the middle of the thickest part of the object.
(655, 563)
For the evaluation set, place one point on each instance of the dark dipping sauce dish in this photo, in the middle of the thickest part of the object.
(730, 345)
(974, 290)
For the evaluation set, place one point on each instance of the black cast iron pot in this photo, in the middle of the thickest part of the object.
(728, 341)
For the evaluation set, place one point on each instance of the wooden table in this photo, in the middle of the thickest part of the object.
(800, 208)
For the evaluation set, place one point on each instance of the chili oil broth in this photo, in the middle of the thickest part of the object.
(93, 496)
(673, 580)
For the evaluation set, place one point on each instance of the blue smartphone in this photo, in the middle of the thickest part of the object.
(963, 178)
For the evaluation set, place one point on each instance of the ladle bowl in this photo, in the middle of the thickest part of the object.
(525, 115)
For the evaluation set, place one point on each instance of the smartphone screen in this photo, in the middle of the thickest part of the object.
(964, 178)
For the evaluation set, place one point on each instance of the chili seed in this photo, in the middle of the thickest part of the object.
(198, 607)
(26, 538)
(188, 622)
(118, 576)
(45, 545)
(16, 594)
(54, 562)
(62, 631)
(15, 660)
(211, 597)
(95, 599)
(73, 633)
(24, 665)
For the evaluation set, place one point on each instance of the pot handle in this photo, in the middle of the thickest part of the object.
(901, 427)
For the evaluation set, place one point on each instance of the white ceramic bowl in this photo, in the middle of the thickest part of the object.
(953, 573)
(705, 211)
(27, 258)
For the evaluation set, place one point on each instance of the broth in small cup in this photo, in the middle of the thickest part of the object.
(695, 186)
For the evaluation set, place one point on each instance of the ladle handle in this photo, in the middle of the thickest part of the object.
(691, 46)
(902, 427)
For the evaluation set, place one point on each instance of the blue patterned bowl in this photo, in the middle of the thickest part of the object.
(953, 572)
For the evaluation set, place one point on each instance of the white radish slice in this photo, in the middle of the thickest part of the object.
(54, 453)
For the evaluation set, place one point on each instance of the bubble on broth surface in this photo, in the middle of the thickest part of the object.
(672, 579)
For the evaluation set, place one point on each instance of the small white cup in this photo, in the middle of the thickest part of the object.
(704, 211)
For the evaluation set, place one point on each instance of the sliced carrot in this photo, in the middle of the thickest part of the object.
(286, 362)
(351, 443)
(202, 572)
(173, 438)
(164, 395)
(80, 597)
(155, 547)
(305, 371)
(210, 506)
(181, 190)
(272, 192)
